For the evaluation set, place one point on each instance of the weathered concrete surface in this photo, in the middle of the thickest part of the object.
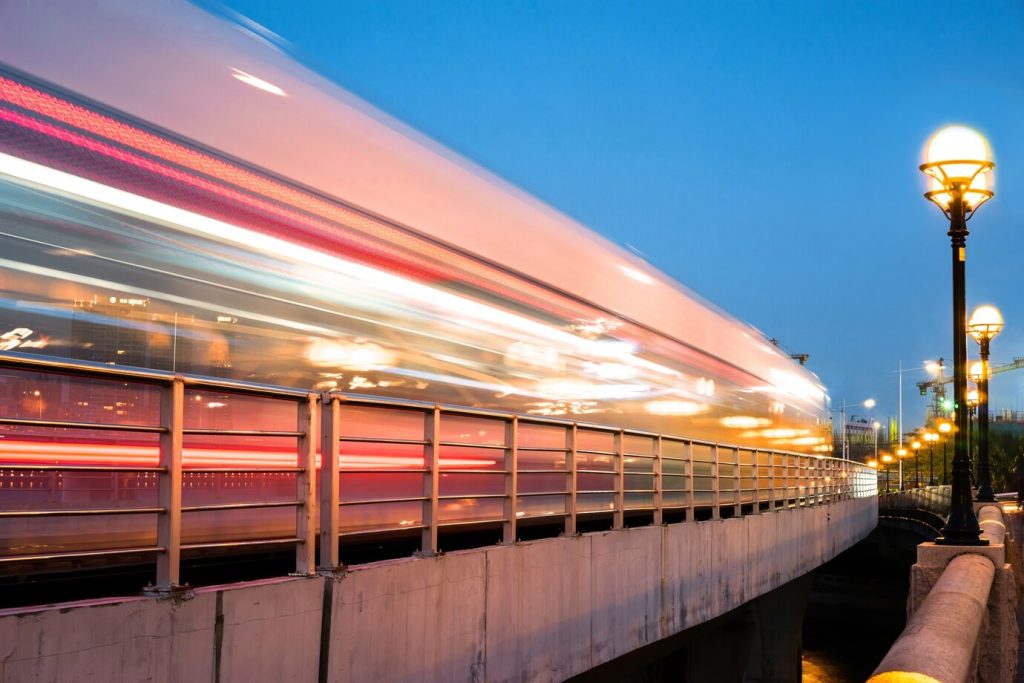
(271, 631)
(941, 638)
(136, 639)
(962, 610)
(538, 611)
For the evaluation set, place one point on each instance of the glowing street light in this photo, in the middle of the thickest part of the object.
(931, 438)
(985, 324)
(958, 163)
(886, 460)
(868, 403)
(916, 447)
(901, 453)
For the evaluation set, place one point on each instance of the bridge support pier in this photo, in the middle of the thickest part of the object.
(778, 633)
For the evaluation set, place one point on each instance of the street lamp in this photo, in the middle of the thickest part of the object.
(944, 429)
(972, 403)
(958, 164)
(874, 426)
(986, 322)
(931, 438)
(867, 403)
(916, 447)
(886, 459)
(901, 453)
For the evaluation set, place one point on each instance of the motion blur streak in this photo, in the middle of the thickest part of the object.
(222, 211)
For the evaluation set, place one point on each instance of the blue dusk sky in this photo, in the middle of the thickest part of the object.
(764, 154)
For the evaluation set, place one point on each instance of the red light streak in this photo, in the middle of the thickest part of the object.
(40, 453)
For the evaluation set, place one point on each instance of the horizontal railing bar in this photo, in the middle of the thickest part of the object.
(587, 451)
(382, 501)
(542, 449)
(471, 522)
(580, 470)
(534, 494)
(84, 468)
(79, 554)
(595, 512)
(79, 512)
(474, 496)
(638, 490)
(242, 506)
(67, 424)
(381, 470)
(382, 530)
(587, 492)
(545, 471)
(244, 470)
(383, 440)
(240, 432)
(457, 470)
(462, 444)
(240, 544)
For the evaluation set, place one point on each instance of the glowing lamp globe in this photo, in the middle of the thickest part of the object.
(975, 371)
(958, 159)
(986, 322)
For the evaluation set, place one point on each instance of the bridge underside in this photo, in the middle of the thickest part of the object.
(541, 611)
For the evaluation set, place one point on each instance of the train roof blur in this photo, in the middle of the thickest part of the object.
(222, 86)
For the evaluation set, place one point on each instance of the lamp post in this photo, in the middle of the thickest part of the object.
(944, 429)
(874, 426)
(886, 458)
(901, 453)
(867, 403)
(958, 164)
(986, 322)
(916, 447)
(972, 403)
(931, 438)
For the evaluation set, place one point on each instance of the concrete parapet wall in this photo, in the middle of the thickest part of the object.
(540, 611)
(961, 611)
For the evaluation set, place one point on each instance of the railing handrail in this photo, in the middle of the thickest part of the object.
(784, 479)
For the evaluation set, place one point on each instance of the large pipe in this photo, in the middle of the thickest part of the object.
(939, 640)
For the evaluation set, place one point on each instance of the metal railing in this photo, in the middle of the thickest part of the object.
(934, 499)
(467, 467)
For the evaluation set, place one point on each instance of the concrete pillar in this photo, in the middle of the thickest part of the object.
(716, 654)
(775, 649)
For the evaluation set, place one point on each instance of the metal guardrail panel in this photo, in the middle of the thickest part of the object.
(520, 468)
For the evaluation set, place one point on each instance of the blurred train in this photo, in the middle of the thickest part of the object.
(178, 194)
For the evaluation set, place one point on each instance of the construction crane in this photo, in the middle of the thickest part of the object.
(940, 405)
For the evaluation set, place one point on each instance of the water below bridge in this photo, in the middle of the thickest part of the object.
(856, 611)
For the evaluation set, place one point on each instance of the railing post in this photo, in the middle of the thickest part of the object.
(330, 447)
(511, 479)
(716, 486)
(737, 484)
(658, 483)
(756, 480)
(772, 464)
(307, 422)
(619, 513)
(168, 534)
(432, 460)
(691, 508)
(570, 480)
